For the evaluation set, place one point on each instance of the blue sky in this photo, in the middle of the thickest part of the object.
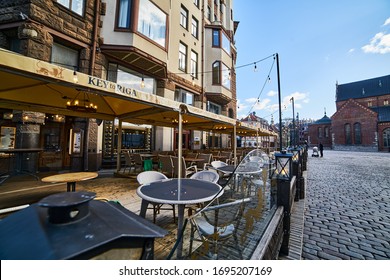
(318, 42)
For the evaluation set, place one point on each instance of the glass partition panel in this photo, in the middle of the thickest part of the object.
(231, 225)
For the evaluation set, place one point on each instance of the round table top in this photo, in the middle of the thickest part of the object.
(179, 191)
(70, 177)
(241, 169)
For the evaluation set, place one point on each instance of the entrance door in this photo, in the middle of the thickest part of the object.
(186, 139)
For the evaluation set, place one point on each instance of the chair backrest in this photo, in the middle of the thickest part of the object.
(147, 177)
(206, 175)
(137, 158)
(166, 164)
(175, 164)
(218, 163)
(128, 158)
(207, 160)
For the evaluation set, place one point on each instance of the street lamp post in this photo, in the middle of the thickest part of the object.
(293, 134)
(280, 104)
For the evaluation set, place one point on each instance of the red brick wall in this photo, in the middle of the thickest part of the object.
(352, 112)
(314, 138)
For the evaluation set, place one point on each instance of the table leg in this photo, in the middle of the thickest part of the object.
(71, 186)
(144, 207)
(180, 222)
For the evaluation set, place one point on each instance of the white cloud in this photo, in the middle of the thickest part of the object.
(387, 22)
(379, 44)
(351, 50)
(272, 93)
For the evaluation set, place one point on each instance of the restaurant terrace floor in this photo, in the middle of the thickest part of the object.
(24, 189)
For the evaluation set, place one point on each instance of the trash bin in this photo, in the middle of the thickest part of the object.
(148, 165)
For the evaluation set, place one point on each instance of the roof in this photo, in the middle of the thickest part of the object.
(324, 120)
(383, 113)
(361, 89)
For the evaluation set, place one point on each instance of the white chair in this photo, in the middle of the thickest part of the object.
(147, 177)
(206, 175)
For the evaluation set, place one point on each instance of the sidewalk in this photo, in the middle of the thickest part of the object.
(347, 211)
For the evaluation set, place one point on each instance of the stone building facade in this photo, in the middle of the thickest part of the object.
(66, 35)
(181, 50)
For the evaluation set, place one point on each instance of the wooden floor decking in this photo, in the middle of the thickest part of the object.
(18, 191)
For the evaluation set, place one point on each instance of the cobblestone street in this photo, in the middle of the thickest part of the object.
(347, 213)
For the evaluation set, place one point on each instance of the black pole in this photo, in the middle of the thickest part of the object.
(293, 134)
(280, 104)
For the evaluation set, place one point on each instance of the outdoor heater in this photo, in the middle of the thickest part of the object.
(285, 184)
(72, 225)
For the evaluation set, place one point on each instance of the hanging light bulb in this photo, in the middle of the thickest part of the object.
(255, 68)
(75, 78)
(269, 79)
(142, 82)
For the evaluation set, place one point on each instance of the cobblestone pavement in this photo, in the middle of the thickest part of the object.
(347, 213)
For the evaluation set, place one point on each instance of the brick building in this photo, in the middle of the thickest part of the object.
(362, 119)
(320, 132)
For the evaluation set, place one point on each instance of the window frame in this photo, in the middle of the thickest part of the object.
(194, 64)
(184, 17)
(183, 57)
(69, 6)
(195, 28)
(140, 30)
(347, 134)
(130, 14)
(216, 72)
(357, 133)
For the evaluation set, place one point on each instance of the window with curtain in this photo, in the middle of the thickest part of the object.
(152, 22)
(182, 57)
(214, 108)
(183, 17)
(124, 14)
(216, 38)
(216, 73)
(194, 27)
(357, 129)
(184, 96)
(194, 64)
(347, 133)
(76, 6)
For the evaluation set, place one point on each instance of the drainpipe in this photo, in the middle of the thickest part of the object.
(91, 72)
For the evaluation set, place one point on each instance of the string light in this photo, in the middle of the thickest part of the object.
(255, 68)
(75, 78)
(142, 82)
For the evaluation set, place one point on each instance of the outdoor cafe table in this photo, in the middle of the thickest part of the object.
(242, 169)
(179, 192)
(70, 178)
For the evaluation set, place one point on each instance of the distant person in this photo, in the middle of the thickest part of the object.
(321, 150)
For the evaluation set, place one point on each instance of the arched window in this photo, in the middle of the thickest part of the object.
(231, 113)
(326, 132)
(357, 131)
(386, 138)
(347, 133)
(320, 132)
